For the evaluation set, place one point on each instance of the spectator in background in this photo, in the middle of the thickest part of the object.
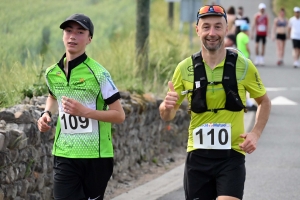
(260, 30)
(240, 19)
(279, 32)
(230, 41)
(242, 40)
(294, 34)
(231, 19)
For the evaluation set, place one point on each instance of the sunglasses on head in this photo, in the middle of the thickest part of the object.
(211, 9)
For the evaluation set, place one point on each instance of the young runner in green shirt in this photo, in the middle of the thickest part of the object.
(87, 102)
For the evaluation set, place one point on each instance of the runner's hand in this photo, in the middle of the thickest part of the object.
(249, 144)
(73, 107)
(43, 123)
(171, 98)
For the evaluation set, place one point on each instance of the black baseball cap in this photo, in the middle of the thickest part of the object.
(81, 19)
(207, 10)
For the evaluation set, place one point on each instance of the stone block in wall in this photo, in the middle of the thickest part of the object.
(14, 155)
(1, 194)
(32, 133)
(22, 167)
(4, 161)
(2, 140)
(7, 116)
(17, 139)
(11, 125)
(2, 124)
(23, 117)
(46, 193)
(10, 191)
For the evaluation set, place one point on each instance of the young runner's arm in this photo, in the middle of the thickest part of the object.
(115, 113)
(45, 119)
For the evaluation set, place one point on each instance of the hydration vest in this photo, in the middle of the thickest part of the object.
(229, 82)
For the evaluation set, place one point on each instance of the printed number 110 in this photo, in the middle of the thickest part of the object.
(211, 133)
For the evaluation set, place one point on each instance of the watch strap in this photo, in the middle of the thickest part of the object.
(46, 111)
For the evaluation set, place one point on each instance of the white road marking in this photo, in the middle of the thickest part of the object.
(275, 89)
(271, 89)
(280, 100)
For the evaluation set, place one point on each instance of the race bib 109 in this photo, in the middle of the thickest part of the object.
(212, 136)
(74, 124)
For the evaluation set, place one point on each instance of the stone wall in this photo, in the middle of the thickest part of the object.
(25, 154)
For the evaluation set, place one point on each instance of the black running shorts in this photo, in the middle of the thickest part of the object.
(296, 44)
(77, 179)
(281, 36)
(212, 173)
(260, 37)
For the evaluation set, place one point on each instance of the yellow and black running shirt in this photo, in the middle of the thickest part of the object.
(248, 81)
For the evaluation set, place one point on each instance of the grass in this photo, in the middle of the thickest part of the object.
(33, 41)
(288, 5)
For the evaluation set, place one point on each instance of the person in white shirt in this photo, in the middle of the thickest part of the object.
(294, 34)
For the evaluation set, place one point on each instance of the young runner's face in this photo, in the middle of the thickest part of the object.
(76, 38)
(212, 31)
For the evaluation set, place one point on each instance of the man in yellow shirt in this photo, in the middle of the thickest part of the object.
(215, 82)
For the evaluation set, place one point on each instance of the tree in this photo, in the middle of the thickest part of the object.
(142, 35)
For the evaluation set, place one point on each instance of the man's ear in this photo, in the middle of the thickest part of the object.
(89, 41)
(196, 27)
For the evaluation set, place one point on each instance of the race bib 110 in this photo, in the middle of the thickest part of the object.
(212, 136)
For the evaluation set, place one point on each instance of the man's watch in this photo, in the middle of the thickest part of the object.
(46, 111)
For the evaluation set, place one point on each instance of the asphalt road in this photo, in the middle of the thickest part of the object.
(273, 170)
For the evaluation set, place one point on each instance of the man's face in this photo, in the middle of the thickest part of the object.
(211, 31)
(76, 38)
(262, 11)
(228, 42)
(240, 12)
(297, 14)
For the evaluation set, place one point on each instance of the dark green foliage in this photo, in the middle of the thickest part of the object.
(135, 90)
(39, 88)
(45, 40)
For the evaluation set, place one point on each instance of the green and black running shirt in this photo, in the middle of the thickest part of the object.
(90, 84)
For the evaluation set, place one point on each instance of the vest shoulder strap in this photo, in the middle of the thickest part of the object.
(199, 69)
(229, 72)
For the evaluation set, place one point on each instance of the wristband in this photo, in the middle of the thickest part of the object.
(46, 111)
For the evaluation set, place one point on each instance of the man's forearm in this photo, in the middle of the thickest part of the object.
(262, 116)
(167, 114)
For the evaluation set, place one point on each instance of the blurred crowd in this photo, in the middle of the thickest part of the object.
(241, 30)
